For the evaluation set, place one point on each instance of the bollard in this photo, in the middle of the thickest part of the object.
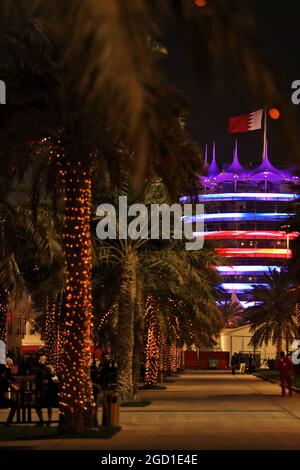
(111, 409)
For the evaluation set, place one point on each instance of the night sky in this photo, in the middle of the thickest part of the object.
(278, 30)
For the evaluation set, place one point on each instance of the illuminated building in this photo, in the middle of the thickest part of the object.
(246, 217)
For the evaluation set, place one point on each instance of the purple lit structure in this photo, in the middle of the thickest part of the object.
(253, 201)
(264, 176)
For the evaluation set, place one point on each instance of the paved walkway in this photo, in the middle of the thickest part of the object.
(200, 410)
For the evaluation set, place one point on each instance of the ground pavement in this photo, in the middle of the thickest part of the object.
(199, 410)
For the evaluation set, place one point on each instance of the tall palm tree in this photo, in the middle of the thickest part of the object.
(75, 109)
(274, 317)
(191, 282)
(119, 68)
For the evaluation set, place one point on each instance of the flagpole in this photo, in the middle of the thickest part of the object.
(265, 134)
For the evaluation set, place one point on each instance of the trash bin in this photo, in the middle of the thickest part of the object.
(160, 377)
(111, 409)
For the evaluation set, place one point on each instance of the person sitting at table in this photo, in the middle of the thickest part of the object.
(6, 401)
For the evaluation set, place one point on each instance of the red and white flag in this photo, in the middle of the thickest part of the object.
(245, 122)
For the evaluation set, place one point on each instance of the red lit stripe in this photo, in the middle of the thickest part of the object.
(254, 252)
(244, 234)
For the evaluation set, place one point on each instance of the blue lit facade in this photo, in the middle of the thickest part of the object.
(247, 214)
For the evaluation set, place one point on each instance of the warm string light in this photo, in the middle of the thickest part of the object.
(102, 337)
(152, 356)
(173, 358)
(165, 350)
(59, 337)
(163, 354)
(105, 319)
(153, 346)
(191, 331)
(178, 358)
(3, 314)
(107, 348)
(50, 331)
(76, 395)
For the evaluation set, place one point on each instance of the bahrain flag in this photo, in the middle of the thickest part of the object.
(245, 122)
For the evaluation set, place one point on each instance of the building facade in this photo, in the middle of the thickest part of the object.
(247, 214)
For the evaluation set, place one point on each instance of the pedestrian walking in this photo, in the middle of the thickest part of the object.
(234, 362)
(285, 368)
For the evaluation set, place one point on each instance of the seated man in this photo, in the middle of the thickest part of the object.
(7, 401)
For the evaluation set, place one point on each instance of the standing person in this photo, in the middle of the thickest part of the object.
(285, 368)
(234, 362)
(41, 383)
(51, 391)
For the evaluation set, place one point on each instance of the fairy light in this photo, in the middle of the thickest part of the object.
(102, 336)
(50, 331)
(173, 358)
(178, 358)
(165, 353)
(76, 395)
(105, 319)
(59, 337)
(3, 315)
(152, 356)
(153, 344)
(107, 347)
(191, 331)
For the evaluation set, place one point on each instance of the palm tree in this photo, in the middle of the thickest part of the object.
(12, 283)
(75, 109)
(119, 68)
(273, 318)
(141, 267)
(231, 310)
(44, 275)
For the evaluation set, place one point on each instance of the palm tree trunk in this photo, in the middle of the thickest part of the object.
(3, 314)
(287, 343)
(50, 331)
(59, 346)
(125, 330)
(76, 393)
(164, 353)
(173, 359)
(152, 356)
(279, 344)
(53, 345)
(138, 344)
